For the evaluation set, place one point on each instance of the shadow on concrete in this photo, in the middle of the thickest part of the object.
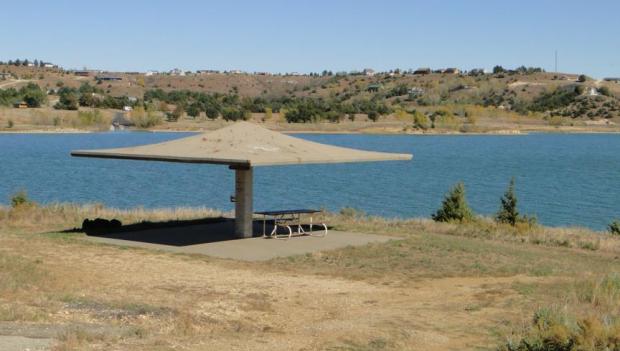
(177, 232)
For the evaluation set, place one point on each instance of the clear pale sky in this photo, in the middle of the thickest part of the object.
(309, 36)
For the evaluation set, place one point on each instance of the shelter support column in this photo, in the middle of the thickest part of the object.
(243, 202)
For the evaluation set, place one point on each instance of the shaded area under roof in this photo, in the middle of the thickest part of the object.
(243, 144)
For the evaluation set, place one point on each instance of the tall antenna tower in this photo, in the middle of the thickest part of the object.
(556, 61)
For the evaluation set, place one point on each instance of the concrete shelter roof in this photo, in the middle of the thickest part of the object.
(243, 144)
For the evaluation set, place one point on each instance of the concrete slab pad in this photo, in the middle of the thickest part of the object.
(216, 240)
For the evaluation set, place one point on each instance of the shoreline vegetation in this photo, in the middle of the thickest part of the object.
(506, 287)
(39, 121)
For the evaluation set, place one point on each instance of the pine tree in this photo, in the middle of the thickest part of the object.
(454, 206)
(508, 212)
(614, 227)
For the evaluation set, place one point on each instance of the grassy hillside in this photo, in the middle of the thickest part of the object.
(423, 103)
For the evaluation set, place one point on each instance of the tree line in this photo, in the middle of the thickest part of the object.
(24, 62)
(31, 94)
(90, 96)
(231, 106)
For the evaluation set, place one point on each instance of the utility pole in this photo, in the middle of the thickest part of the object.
(556, 61)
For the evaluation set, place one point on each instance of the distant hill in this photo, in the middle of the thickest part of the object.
(546, 95)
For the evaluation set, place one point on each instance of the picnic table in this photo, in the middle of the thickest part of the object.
(286, 218)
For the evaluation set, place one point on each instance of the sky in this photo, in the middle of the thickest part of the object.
(311, 36)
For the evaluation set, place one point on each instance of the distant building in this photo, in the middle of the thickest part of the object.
(207, 71)
(369, 72)
(423, 71)
(21, 104)
(451, 70)
(5, 75)
(49, 65)
(176, 72)
(82, 73)
(613, 80)
(108, 78)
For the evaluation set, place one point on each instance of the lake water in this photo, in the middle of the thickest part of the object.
(562, 179)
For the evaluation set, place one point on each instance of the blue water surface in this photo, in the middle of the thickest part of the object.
(563, 179)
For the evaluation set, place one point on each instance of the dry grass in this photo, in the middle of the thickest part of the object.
(482, 228)
(49, 119)
(442, 287)
(585, 316)
(55, 217)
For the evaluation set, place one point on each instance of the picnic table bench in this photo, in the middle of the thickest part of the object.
(286, 218)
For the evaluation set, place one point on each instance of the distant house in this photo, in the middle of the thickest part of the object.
(207, 71)
(21, 104)
(176, 72)
(373, 88)
(369, 72)
(5, 75)
(49, 65)
(451, 70)
(108, 78)
(82, 73)
(423, 71)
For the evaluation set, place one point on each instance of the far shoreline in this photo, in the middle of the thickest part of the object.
(328, 132)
